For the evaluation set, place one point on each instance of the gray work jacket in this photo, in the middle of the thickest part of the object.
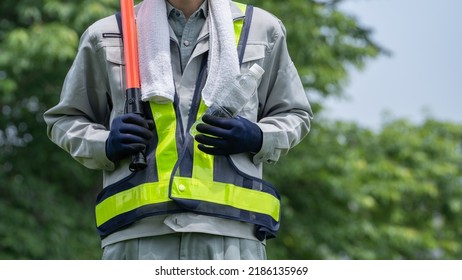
(93, 95)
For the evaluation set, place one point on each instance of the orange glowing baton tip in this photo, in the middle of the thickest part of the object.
(130, 37)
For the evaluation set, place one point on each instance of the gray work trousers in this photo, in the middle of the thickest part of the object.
(186, 246)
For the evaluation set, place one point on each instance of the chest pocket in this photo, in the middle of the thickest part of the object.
(115, 54)
(254, 54)
(115, 67)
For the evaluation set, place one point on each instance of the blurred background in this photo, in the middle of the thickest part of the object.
(421, 77)
(378, 177)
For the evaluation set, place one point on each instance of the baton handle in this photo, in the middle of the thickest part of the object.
(133, 104)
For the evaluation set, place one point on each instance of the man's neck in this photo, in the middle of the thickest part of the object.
(188, 7)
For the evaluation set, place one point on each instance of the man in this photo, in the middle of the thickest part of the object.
(200, 198)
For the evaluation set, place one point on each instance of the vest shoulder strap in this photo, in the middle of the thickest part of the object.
(118, 16)
(245, 33)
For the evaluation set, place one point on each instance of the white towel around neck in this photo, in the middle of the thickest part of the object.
(156, 74)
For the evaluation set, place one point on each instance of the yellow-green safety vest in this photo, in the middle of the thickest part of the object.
(180, 177)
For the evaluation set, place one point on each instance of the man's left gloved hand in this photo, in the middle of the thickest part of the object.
(226, 136)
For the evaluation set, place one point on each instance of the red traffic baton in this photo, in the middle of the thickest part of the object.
(130, 38)
(133, 103)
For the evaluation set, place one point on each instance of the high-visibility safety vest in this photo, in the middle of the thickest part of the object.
(180, 177)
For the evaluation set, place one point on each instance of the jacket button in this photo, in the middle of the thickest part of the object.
(181, 188)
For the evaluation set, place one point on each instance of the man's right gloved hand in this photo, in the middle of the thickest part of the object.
(130, 134)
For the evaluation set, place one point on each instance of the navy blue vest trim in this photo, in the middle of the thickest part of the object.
(245, 32)
(113, 189)
(135, 178)
(185, 165)
(118, 16)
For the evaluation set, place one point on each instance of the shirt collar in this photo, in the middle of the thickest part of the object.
(202, 11)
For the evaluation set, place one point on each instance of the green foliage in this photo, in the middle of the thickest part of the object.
(347, 192)
(351, 193)
(46, 198)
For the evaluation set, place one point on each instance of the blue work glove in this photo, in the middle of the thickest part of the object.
(130, 134)
(227, 136)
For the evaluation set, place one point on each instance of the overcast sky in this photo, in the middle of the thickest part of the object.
(424, 72)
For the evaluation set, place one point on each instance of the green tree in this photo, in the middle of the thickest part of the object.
(351, 193)
(46, 198)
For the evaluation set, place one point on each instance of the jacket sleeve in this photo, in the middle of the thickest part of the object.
(78, 123)
(285, 113)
